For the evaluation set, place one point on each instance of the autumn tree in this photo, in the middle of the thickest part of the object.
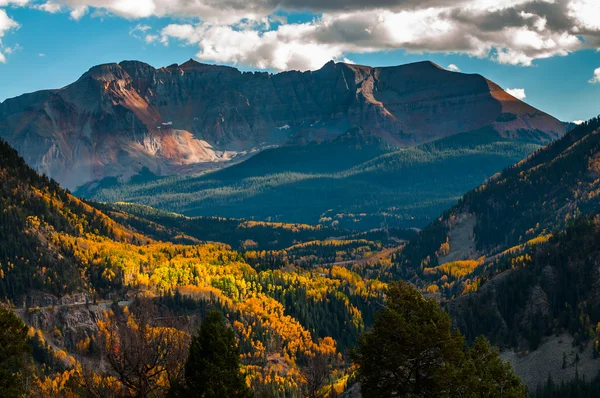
(413, 351)
(13, 354)
(315, 375)
(143, 355)
(212, 369)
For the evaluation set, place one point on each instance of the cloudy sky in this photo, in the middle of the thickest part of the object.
(545, 51)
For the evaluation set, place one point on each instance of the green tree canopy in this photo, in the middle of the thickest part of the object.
(212, 368)
(413, 351)
(13, 354)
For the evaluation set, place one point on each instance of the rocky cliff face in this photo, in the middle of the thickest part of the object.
(118, 119)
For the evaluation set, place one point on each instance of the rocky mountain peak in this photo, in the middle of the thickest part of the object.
(106, 73)
(120, 118)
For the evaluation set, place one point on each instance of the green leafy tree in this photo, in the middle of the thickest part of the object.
(212, 368)
(413, 351)
(13, 354)
(488, 375)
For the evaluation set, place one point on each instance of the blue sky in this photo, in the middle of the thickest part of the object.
(50, 50)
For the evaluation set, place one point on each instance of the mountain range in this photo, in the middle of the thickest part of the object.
(118, 120)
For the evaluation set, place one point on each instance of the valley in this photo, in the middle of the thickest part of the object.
(298, 245)
(344, 184)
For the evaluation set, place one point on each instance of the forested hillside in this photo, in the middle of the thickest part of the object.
(55, 244)
(516, 260)
(554, 285)
(35, 214)
(341, 183)
(533, 197)
(240, 234)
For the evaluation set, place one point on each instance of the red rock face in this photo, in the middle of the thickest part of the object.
(119, 118)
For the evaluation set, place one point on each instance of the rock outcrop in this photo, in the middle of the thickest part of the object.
(119, 119)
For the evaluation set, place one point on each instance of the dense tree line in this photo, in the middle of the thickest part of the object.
(576, 388)
(535, 196)
(561, 272)
(239, 233)
(339, 186)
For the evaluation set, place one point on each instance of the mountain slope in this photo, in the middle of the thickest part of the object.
(120, 119)
(35, 212)
(342, 182)
(516, 260)
(543, 301)
(64, 263)
(535, 196)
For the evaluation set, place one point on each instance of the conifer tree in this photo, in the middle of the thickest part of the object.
(13, 354)
(212, 368)
(413, 351)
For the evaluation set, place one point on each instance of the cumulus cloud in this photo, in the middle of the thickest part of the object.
(514, 32)
(49, 6)
(596, 78)
(518, 93)
(453, 68)
(281, 49)
(578, 122)
(6, 24)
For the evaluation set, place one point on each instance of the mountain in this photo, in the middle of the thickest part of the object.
(349, 182)
(532, 198)
(516, 260)
(118, 120)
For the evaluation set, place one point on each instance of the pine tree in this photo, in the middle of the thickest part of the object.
(13, 354)
(212, 369)
(413, 351)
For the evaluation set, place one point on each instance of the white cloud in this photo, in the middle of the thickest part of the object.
(18, 3)
(578, 122)
(140, 28)
(78, 12)
(586, 12)
(41, 55)
(49, 6)
(281, 49)
(6, 24)
(513, 32)
(596, 78)
(453, 68)
(518, 93)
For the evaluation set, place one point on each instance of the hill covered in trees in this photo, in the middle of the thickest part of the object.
(516, 260)
(532, 198)
(350, 183)
(239, 233)
(62, 260)
(276, 323)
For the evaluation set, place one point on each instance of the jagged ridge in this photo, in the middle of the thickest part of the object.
(118, 119)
